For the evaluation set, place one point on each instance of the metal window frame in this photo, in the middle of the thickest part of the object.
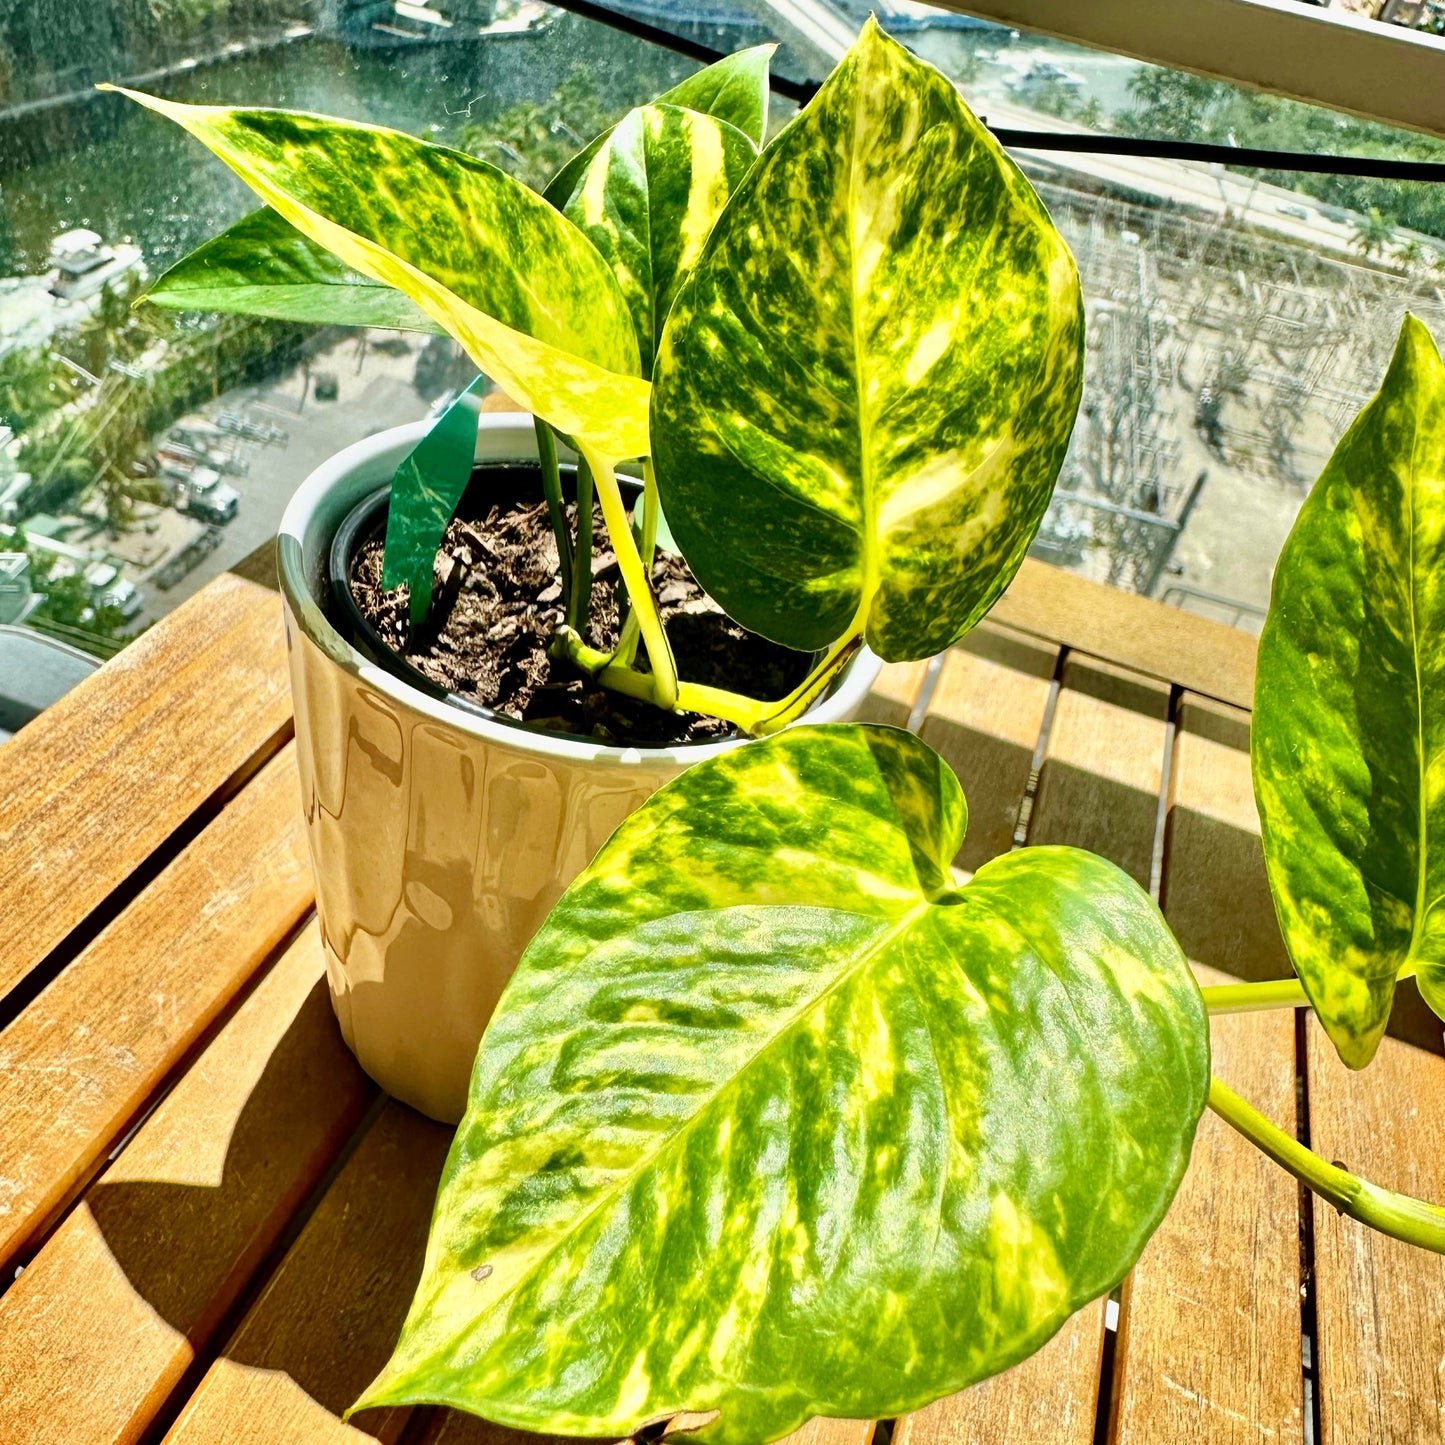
(1097, 143)
(1286, 47)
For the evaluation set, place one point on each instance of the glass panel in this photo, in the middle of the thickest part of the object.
(148, 451)
(1237, 318)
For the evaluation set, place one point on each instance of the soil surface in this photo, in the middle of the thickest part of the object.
(497, 600)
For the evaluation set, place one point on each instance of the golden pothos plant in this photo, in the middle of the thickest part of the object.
(778, 1117)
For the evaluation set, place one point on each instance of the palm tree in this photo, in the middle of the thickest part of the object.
(1373, 232)
(1411, 253)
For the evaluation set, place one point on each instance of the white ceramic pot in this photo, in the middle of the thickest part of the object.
(439, 839)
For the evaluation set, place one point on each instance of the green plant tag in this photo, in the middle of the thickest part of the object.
(734, 89)
(425, 490)
(1349, 713)
(264, 266)
(866, 388)
(775, 1121)
(648, 200)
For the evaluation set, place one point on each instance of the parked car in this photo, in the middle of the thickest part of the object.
(218, 503)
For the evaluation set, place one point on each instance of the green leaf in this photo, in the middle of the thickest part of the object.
(734, 89)
(865, 390)
(425, 490)
(650, 197)
(264, 266)
(1348, 736)
(524, 291)
(773, 1120)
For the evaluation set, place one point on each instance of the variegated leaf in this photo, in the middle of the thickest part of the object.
(264, 266)
(775, 1121)
(734, 89)
(1348, 737)
(865, 390)
(649, 199)
(498, 268)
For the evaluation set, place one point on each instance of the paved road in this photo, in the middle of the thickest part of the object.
(376, 395)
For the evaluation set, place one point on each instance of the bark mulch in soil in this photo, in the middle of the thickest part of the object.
(497, 599)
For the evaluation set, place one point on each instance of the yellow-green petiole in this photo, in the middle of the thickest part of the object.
(1398, 1215)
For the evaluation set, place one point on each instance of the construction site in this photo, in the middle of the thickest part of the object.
(1223, 365)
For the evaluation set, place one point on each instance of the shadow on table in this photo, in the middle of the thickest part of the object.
(218, 1261)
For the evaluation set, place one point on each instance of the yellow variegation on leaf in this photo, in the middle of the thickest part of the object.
(1348, 734)
(733, 89)
(865, 390)
(648, 201)
(493, 264)
(776, 1121)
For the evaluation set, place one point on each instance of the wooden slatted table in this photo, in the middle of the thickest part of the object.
(211, 1221)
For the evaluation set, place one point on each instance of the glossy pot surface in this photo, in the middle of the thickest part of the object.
(440, 838)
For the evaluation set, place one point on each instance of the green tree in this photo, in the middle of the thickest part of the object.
(1372, 233)
(1411, 253)
(1166, 105)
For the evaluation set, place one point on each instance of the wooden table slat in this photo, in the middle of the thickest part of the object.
(104, 1321)
(984, 720)
(117, 765)
(1379, 1304)
(1209, 1345)
(1103, 765)
(1165, 643)
(1049, 1399)
(327, 1320)
(893, 694)
(1212, 848)
(82, 1060)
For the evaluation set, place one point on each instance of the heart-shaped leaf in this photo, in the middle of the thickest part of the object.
(649, 199)
(734, 89)
(499, 269)
(775, 1121)
(264, 266)
(1348, 734)
(865, 391)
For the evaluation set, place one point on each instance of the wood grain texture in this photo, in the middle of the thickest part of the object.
(327, 1320)
(1103, 765)
(1215, 893)
(1052, 1398)
(90, 790)
(99, 1329)
(984, 719)
(1379, 1304)
(79, 1064)
(891, 698)
(1165, 643)
(1049, 1399)
(1209, 1344)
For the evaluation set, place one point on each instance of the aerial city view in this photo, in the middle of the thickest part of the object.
(1236, 318)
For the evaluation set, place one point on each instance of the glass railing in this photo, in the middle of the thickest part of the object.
(1238, 315)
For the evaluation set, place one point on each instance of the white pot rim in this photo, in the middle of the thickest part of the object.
(324, 498)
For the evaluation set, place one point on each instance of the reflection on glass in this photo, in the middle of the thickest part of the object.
(143, 451)
(1236, 318)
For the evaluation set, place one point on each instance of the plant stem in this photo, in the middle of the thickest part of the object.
(1240, 998)
(626, 651)
(1397, 1215)
(780, 714)
(552, 490)
(581, 598)
(639, 590)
